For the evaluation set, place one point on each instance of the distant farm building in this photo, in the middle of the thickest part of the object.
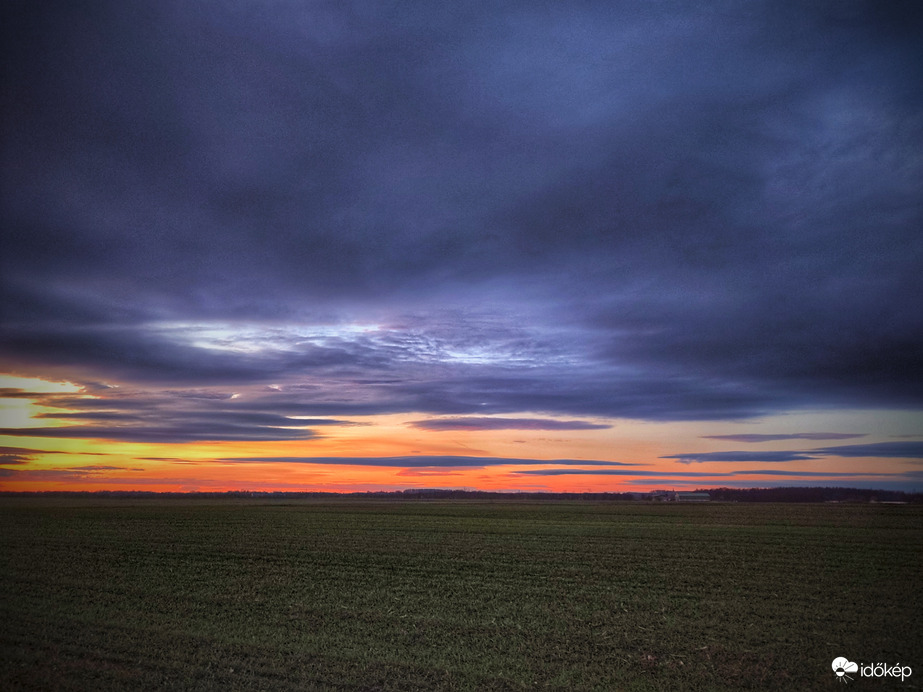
(674, 496)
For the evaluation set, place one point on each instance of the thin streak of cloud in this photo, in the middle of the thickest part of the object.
(487, 423)
(731, 457)
(421, 461)
(886, 450)
(93, 469)
(795, 436)
(702, 474)
(193, 433)
(23, 450)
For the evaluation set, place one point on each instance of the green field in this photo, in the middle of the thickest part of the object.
(368, 595)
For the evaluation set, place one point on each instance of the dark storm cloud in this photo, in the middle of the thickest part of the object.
(578, 390)
(421, 461)
(795, 436)
(480, 423)
(667, 212)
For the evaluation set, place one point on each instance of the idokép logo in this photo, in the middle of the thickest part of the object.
(843, 666)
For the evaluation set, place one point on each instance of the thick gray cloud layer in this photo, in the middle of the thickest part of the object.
(648, 210)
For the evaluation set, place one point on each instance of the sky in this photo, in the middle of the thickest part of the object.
(349, 246)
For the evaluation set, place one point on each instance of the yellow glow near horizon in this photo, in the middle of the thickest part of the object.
(37, 384)
(19, 412)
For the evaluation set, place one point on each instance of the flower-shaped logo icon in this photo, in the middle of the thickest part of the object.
(841, 666)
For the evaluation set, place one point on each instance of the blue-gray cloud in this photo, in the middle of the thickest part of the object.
(605, 210)
(193, 432)
(792, 436)
(773, 457)
(889, 450)
(885, 450)
(167, 416)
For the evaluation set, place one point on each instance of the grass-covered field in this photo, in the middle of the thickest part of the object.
(352, 594)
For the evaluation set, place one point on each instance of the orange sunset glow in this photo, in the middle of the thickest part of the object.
(378, 452)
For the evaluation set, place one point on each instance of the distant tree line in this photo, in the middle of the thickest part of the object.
(793, 494)
(796, 494)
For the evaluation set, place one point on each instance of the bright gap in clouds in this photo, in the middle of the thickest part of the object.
(470, 340)
(20, 412)
(36, 384)
(256, 338)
